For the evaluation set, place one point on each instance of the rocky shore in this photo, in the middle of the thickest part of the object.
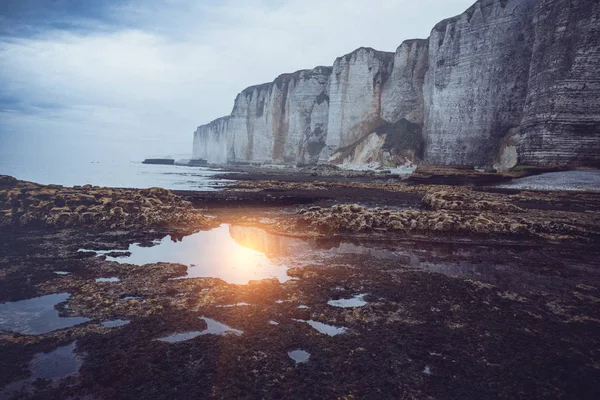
(27, 205)
(465, 291)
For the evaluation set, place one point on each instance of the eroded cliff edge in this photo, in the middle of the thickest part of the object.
(505, 82)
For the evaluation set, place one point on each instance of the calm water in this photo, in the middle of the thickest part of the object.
(238, 254)
(234, 254)
(55, 365)
(566, 180)
(111, 173)
(36, 316)
(212, 328)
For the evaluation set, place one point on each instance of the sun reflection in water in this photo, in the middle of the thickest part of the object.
(235, 254)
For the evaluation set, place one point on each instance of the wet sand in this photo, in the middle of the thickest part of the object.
(443, 312)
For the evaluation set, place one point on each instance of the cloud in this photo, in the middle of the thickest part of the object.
(146, 73)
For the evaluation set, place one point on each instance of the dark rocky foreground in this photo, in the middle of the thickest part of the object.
(470, 292)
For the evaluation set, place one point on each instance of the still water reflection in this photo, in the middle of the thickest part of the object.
(213, 327)
(55, 365)
(238, 254)
(234, 254)
(36, 316)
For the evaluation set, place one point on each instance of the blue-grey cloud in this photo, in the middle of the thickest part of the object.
(140, 75)
(31, 17)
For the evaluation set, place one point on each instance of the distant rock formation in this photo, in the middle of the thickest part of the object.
(505, 82)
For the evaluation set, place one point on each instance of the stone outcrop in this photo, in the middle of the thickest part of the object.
(506, 82)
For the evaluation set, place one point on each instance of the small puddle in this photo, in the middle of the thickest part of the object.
(356, 301)
(299, 356)
(180, 337)
(325, 329)
(36, 316)
(240, 304)
(112, 279)
(98, 252)
(55, 365)
(212, 328)
(115, 323)
(218, 328)
(61, 272)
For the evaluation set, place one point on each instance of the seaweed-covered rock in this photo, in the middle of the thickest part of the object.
(24, 204)
(446, 216)
(466, 200)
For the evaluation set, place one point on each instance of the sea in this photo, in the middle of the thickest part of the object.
(112, 173)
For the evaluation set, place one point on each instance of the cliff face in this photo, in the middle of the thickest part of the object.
(402, 95)
(210, 141)
(355, 91)
(561, 124)
(282, 121)
(506, 82)
(476, 84)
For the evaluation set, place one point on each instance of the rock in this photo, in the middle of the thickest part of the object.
(462, 200)
(7, 181)
(63, 207)
(355, 208)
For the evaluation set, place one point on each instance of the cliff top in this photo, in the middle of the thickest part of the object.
(441, 26)
(378, 53)
(318, 70)
(411, 42)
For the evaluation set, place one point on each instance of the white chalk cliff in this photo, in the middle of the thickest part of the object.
(506, 82)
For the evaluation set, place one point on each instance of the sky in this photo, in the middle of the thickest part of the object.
(134, 78)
